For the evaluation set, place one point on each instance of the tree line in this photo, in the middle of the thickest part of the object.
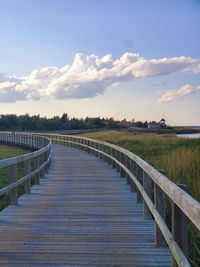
(12, 122)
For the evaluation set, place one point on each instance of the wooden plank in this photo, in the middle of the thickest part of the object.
(184, 201)
(75, 219)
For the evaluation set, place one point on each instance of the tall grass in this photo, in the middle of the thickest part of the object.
(179, 157)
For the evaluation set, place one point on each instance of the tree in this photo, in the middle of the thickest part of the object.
(64, 118)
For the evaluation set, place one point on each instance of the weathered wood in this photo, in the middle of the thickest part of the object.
(15, 160)
(128, 165)
(36, 166)
(122, 172)
(118, 158)
(82, 214)
(159, 198)
(27, 170)
(41, 161)
(180, 226)
(148, 187)
(13, 178)
(29, 141)
(189, 205)
(161, 181)
(139, 175)
(133, 171)
(113, 155)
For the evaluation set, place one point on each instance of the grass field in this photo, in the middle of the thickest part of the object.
(179, 157)
(10, 151)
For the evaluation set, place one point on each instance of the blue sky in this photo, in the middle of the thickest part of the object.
(49, 33)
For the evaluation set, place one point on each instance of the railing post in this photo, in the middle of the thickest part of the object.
(160, 203)
(127, 164)
(139, 175)
(109, 153)
(123, 173)
(36, 166)
(148, 188)
(100, 148)
(113, 155)
(132, 169)
(83, 142)
(105, 151)
(13, 178)
(41, 162)
(92, 145)
(159, 197)
(46, 158)
(88, 149)
(27, 170)
(118, 158)
(96, 152)
(180, 226)
(32, 141)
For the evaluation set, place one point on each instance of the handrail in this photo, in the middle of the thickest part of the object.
(146, 181)
(41, 157)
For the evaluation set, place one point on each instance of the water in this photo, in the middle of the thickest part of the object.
(195, 135)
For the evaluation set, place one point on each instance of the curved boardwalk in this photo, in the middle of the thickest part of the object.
(82, 214)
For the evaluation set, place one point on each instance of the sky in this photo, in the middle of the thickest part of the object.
(123, 59)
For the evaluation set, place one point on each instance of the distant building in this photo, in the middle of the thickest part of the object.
(125, 123)
(155, 125)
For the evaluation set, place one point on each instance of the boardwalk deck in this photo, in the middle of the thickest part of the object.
(82, 214)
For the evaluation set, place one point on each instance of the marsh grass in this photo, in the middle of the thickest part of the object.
(179, 157)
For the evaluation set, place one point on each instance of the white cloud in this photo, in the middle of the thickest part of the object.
(89, 76)
(181, 92)
(7, 84)
(148, 103)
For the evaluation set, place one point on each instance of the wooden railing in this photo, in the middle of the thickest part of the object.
(35, 163)
(152, 187)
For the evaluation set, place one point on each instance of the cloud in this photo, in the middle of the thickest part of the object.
(176, 94)
(89, 76)
(148, 103)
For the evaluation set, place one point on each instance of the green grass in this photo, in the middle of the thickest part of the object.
(10, 151)
(179, 157)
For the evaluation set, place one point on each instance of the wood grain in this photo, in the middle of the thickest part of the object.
(81, 214)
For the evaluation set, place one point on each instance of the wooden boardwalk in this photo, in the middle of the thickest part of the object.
(82, 214)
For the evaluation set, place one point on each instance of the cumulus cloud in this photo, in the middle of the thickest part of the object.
(181, 92)
(89, 76)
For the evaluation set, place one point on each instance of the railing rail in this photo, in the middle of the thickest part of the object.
(150, 184)
(151, 187)
(40, 158)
